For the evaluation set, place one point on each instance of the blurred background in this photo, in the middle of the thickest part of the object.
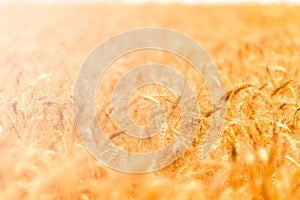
(159, 1)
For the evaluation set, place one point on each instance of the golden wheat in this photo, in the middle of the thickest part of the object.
(257, 154)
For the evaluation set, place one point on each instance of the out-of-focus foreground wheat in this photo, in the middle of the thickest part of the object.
(256, 50)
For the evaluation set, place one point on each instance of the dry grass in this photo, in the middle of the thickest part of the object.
(256, 49)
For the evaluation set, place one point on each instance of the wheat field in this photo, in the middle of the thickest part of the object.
(256, 50)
